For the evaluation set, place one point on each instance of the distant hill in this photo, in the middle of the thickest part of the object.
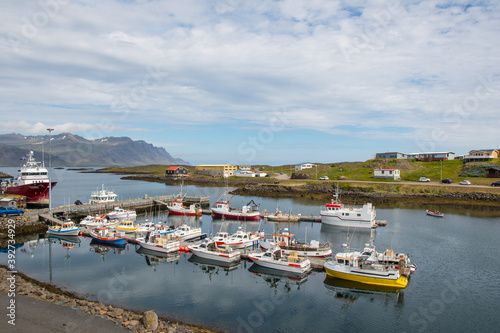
(75, 151)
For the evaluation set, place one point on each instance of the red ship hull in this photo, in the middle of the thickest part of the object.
(37, 193)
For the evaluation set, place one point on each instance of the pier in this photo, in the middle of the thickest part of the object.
(139, 205)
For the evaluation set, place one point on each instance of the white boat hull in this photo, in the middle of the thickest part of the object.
(297, 268)
(163, 248)
(337, 221)
(212, 255)
(317, 253)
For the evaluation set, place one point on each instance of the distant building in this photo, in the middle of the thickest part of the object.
(393, 174)
(246, 167)
(482, 155)
(431, 156)
(493, 172)
(303, 166)
(175, 171)
(390, 155)
(423, 157)
(216, 170)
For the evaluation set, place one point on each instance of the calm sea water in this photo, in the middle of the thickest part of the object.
(456, 286)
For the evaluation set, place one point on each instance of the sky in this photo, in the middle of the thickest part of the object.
(256, 82)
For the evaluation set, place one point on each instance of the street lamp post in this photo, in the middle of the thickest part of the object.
(50, 167)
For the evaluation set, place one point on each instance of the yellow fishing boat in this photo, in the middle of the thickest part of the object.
(366, 267)
(127, 226)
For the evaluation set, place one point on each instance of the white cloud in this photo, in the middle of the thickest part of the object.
(334, 65)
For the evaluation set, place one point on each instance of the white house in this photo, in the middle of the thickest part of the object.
(393, 174)
(303, 166)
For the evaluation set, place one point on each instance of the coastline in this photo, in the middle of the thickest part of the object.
(131, 320)
(386, 193)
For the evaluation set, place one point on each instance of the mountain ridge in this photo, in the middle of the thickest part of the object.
(71, 150)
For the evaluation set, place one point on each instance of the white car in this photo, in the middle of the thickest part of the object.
(465, 182)
(424, 179)
(324, 178)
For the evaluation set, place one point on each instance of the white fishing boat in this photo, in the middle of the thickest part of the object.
(119, 213)
(241, 239)
(288, 243)
(67, 228)
(276, 258)
(159, 243)
(220, 237)
(102, 196)
(221, 209)
(177, 207)
(97, 221)
(186, 232)
(209, 250)
(434, 213)
(336, 213)
(366, 267)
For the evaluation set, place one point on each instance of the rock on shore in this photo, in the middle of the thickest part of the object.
(129, 319)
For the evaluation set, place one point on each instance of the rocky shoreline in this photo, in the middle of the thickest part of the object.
(147, 321)
(354, 194)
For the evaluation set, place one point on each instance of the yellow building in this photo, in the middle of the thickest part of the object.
(481, 155)
(217, 170)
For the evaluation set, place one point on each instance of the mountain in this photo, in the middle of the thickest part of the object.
(75, 151)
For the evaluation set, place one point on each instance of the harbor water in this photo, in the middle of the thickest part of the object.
(454, 289)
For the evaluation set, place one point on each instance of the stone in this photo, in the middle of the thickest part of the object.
(150, 320)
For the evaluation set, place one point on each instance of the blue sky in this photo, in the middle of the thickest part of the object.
(256, 82)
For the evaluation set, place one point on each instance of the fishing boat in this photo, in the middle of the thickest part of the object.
(278, 216)
(32, 182)
(108, 236)
(209, 250)
(249, 212)
(434, 213)
(127, 226)
(102, 196)
(177, 207)
(186, 232)
(336, 213)
(159, 243)
(288, 243)
(241, 239)
(67, 228)
(365, 267)
(276, 258)
(220, 237)
(119, 213)
(97, 221)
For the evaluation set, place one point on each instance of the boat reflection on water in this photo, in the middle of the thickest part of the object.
(177, 220)
(212, 266)
(351, 291)
(273, 276)
(102, 249)
(154, 258)
(357, 237)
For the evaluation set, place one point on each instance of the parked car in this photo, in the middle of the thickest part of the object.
(465, 182)
(324, 178)
(4, 211)
(446, 181)
(424, 179)
(497, 183)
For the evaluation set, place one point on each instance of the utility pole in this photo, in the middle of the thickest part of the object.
(50, 168)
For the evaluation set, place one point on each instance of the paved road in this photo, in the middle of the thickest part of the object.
(33, 315)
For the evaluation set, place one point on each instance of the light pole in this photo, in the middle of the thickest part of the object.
(50, 168)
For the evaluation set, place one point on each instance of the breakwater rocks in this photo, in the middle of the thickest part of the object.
(134, 321)
(24, 225)
(352, 194)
